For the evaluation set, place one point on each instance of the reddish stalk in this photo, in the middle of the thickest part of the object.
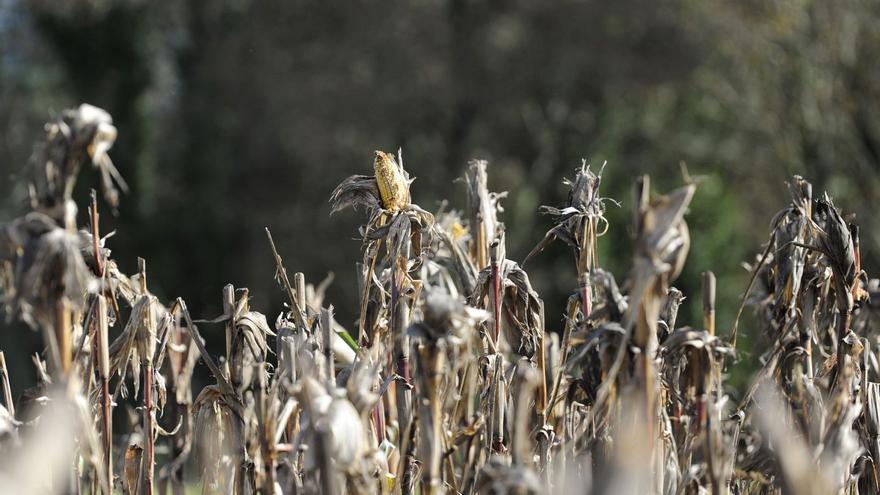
(96, 245)
(379, 421)
(584, 262)
(709, 284)
(586, 295)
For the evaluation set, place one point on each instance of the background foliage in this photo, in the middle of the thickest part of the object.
(236, 115)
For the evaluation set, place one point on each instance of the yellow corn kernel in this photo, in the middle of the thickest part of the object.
(458, 231)
(393, 186)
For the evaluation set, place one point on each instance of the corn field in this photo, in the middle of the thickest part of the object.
(449, 381)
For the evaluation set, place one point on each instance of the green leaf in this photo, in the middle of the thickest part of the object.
(348, 340)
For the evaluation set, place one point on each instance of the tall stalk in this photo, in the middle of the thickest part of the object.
(496, 291)
(63, 330)
(403, 392)
(4, 382)
(102, 327)
(148, 409)
(433, 359)
(102, 346)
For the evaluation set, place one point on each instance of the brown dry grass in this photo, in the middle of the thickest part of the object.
(449, 383)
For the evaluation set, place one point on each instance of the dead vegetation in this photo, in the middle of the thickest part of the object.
(449, 381)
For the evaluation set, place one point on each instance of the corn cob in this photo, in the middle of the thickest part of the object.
(392, 181)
